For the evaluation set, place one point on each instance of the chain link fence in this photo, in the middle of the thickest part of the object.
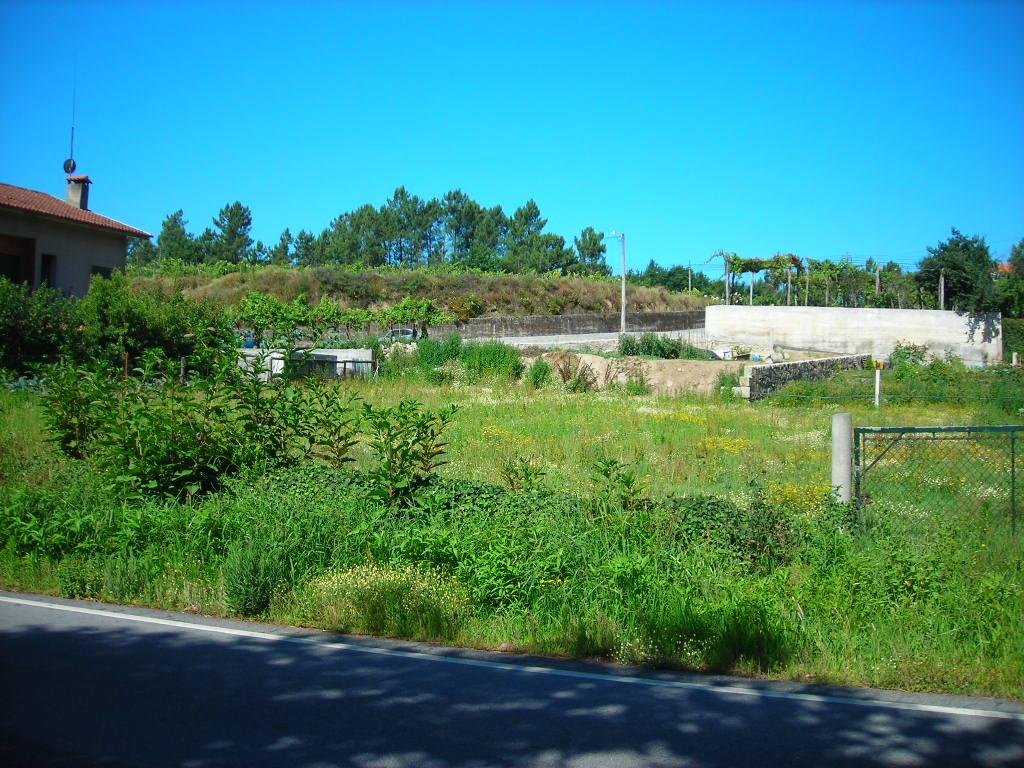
(969, 468)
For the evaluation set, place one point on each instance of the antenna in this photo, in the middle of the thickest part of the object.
(69, 164)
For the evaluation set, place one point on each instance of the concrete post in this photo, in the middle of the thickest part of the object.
(842, 456)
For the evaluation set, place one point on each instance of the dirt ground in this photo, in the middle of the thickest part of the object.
(665, 376)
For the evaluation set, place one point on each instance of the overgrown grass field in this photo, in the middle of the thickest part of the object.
(685, 532)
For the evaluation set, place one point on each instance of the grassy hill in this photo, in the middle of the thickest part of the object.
(464, 294)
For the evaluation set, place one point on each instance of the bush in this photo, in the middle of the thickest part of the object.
(910, 354)
(406, 443)
(79, 577)
(664, 347)
(156, 436)
(251, 572)
(119, 322)
(539, 374)
(491, 359)
(581, 379)
(434, 354)
(382, 600)
(35, 326)
(76, 400)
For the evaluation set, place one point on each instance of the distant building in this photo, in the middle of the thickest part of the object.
(61, 243)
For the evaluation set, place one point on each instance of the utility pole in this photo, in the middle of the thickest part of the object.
(942, 289)
(689, 276)
(789, 285)
(622, 237)
(878, 279)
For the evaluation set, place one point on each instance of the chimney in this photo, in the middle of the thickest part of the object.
(78, 191)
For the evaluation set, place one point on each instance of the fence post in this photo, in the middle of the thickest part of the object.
(1013, 482)
(842, 459)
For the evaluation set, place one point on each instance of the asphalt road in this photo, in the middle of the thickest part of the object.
(84, 684)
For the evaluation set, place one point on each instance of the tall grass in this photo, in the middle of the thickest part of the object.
(684, 532)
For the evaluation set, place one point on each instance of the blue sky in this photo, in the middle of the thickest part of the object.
(824, 129)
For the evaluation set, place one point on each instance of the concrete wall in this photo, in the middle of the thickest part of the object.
(78, 248)
(555, 325)
(761, 380)
(975, 338)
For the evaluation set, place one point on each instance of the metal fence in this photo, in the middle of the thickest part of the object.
(970, 468)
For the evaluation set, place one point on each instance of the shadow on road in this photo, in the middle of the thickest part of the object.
(144, 695)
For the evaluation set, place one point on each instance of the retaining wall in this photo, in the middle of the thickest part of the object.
(977, 339)
(557, 325)
(761, 380)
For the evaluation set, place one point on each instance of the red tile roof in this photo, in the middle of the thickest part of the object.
(30, 201)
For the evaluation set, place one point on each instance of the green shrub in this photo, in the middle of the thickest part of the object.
(581, 378)
(35, 326)
(433, 354)
(637, 384)
(406, 443)
(1013, 336)
(386, 600)
(539, 374)
(156, 436)
(79, 577)
(118, 322)
(76, 401)
(664, 347)
(491, 359)
(906, 353)
(251, 572)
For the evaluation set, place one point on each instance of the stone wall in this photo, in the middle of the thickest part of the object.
(558, 325)
(761, 380)
(976, 339)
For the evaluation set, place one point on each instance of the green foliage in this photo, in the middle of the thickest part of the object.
(578, 377)
(268, 317)
(76, 401)
(771, 578)
(406, 443)
(967, 266)
(1013, 336)
(942, 380)
(664, 347)
(434, 354)
(905, 353)
(386, 600)
(118, 322)
(35, 326)
(251, 572)
(619, 484)
(484, 359)
(522, 473)
(638, 385)
(334, 421)
(539, 374)
(154, 435)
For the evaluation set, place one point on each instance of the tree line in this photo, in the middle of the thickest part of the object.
(407, 231)
(958, 273)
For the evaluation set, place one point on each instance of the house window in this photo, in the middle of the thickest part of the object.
(102, 271)
(48, 270)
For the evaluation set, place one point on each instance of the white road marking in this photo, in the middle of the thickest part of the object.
(535, 670)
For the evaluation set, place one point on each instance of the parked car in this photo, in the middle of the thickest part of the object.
(401, 335)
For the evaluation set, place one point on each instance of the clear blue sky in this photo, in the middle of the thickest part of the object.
(823, 129)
